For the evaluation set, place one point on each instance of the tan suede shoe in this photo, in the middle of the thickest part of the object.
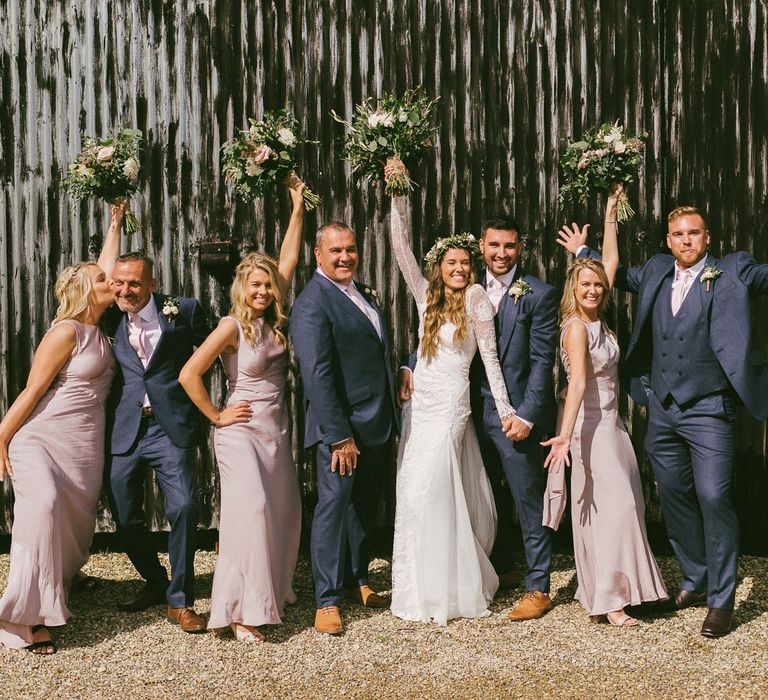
(531, 606)
(328, 620)
(366, 596)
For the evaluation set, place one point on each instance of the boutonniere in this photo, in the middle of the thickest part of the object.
(371, 292)
(171, 308)
(710, 274)
(519, 289)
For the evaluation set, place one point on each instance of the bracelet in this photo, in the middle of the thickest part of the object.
(608, 221)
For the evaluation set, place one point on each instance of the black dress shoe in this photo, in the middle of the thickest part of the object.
(717, 623)
(688, 599)
(146, 599)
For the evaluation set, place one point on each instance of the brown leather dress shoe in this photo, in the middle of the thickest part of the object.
(364, 595)
(531, 606)
(186, 618)
(328, 620)
(717, 623)
(690, 599)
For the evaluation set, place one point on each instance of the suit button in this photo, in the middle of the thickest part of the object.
(663, 354)
(665, 337)
(679, 357)
(139, 403)
(663, 371)
(680, 374)
(681, 339)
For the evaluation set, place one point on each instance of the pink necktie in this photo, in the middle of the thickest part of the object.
(683, 280)
(138, 338)
(495, 289)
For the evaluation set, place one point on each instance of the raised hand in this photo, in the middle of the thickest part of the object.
(241, 412)
(572, 237)
(297, 195)
(614, 196)
(559, 453)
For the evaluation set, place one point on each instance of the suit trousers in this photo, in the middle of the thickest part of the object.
(690, 448)
(174, 472)
(344, 517)
(521, 462)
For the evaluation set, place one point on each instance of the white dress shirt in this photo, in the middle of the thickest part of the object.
(359, 301)
(679, 279)
(496, 287)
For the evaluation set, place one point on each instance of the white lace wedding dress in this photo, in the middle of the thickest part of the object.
(445, 519)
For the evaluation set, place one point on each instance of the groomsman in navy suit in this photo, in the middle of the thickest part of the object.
(691, 357)
(341, 343)
(526, 336)
(153, 423)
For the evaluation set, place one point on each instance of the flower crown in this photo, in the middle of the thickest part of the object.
(456, 240)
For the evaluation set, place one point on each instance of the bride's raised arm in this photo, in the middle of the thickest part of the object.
(406, 261)
(480, 313)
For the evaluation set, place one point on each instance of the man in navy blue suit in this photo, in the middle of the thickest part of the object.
(526, 335)
(690, 358)
(153, 423)
(341, 343)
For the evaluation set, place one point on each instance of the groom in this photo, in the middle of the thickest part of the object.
(526, 331)
(690, 358)
(341, 343)
(153, 423)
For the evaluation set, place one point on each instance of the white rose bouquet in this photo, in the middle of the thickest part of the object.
(602, 157)
(382, 138)
(262, 156)
(108, 169)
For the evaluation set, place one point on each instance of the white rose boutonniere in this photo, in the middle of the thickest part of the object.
(710, 274)
(171, 308)
(519, 289)
(371, 292)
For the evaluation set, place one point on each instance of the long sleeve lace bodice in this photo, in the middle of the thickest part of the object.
(406, 260)
(480, 314)
(478, 306)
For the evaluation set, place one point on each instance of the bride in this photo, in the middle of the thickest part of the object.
(445, 519)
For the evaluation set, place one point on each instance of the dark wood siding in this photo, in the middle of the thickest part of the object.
(514, 79)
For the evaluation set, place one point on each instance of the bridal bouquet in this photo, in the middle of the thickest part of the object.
(262, 156)
(602, 157)
(383, 137)
(107, 168)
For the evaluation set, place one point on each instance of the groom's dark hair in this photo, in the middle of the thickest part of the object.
(503, 222)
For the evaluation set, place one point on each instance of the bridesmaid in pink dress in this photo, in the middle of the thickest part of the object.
(615, 566)
(260, 515)
(52, 447)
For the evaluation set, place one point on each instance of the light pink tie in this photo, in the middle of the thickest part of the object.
(683, 280)
(495, 289)
(138, 338)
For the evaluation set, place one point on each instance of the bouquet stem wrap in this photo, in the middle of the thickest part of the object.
(396, 180)
(311, 200)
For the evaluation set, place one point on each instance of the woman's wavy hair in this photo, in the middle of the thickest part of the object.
(442, 307)
(568, 302)
(244, 312)
(73, 291)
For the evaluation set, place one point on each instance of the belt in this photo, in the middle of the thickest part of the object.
(147, 412)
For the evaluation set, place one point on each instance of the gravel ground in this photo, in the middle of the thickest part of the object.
(107, 654)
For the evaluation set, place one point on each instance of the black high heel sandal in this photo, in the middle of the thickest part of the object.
(48, 643)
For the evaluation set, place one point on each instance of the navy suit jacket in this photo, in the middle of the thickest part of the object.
(526, 342)
(173, 410)
(726, 311)
(345, 367)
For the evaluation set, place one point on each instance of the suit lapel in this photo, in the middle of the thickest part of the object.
(646, 302)
(343, 302)
(704, 295)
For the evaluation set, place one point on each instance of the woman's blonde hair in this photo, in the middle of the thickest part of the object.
(73, 291)
(442, 307)
(568, 302)
(244, 312)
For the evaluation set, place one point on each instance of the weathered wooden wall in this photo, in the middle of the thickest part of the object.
(514, 79)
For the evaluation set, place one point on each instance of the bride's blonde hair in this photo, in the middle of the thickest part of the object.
(568, 302)
(244, 312)
(442, 307)
(73, 291)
